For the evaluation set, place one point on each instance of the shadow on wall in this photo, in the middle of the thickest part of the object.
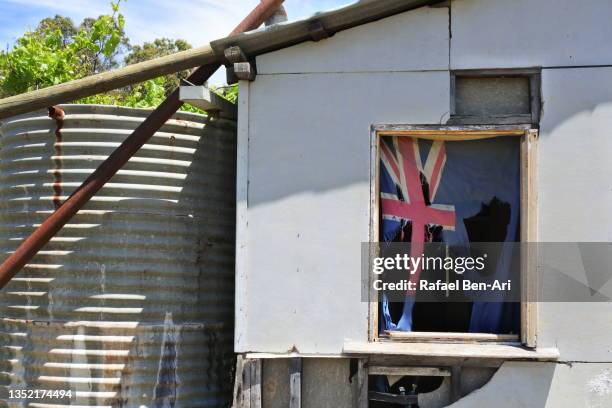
(304, 147)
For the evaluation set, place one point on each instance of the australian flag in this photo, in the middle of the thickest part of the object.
(454, 192)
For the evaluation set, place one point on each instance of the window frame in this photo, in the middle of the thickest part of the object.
(528, 225)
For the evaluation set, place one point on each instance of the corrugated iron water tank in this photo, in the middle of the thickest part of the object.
(132, 303)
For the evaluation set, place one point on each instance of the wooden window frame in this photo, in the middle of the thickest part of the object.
(528, 227)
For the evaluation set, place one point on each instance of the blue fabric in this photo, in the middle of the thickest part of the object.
(475, 173)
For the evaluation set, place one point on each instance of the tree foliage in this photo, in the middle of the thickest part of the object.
(58, 51)
(159, 48)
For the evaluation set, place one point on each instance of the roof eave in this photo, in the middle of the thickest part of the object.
(285, 35)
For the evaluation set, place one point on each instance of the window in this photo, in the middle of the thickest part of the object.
(476, 183)
(495, 96)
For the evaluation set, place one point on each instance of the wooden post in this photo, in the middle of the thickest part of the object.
(235, 54)
(529, 238)
(106, 81)
(255, 383)
(238, 381)
(295, 383)
(455, 383)
(245, 71)
(247, 386)
(362, 383)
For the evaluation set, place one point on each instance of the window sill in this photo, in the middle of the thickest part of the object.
(447, 337)
(476, 353)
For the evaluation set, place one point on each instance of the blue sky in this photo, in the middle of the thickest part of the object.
(197, 21)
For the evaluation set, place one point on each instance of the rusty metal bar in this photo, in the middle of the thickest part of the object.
(56, 221)
(263, 11)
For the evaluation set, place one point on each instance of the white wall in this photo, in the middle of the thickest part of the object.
(410, 41)
(575, 172)
(308, 175)
(309, 116)
(526, 33)
(308, 199)
(544, 385)
(574, 162)
(575, 198)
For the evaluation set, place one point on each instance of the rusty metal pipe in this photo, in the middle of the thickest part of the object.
(56, 221)
(263, 11)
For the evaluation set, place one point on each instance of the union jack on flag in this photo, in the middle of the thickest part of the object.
(408, 191)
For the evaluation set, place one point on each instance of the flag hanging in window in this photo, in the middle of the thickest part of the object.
(454, 192)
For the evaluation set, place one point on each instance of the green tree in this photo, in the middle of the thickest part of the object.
(109, 41)
(57, 52)
(229, 92)
(64, 24)
(158, 48)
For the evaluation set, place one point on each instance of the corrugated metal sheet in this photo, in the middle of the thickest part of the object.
(132, 303)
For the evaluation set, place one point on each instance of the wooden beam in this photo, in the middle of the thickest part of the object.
(444, 350)
(413, 371)
(452, 337)
(429, 361)
(450, 133)
(295, 383)
(245, 71)
(106, 81)
(362, 383)
(529, 237)
(234, 54)
(204, 57)
(238, 382)
(253, 43)
(455, 383)
(283, 35)
(255, 384)
(373, 294)
(293, 354)
(247, 385)
(402, 400)
(317, 30)
(201, 97)
(230, 76)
